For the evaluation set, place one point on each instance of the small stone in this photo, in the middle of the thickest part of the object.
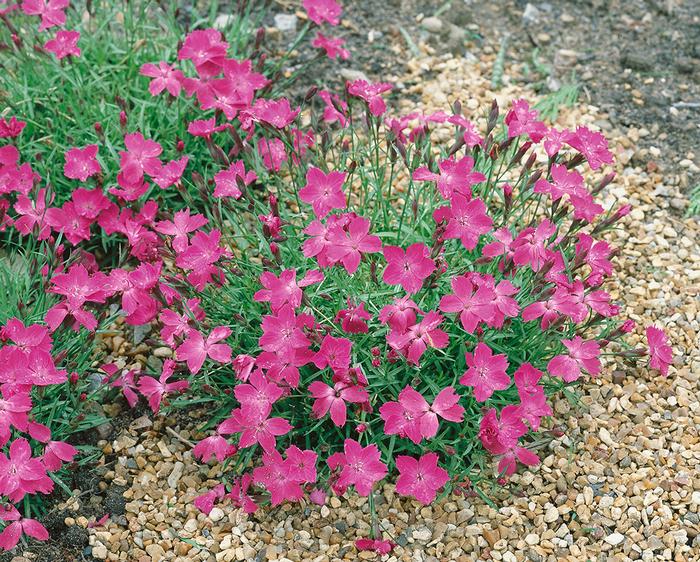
(615, 539)
(551, 515)
(162, 352)
(175, 475)
(432, 24)
(532, 539)
(286, 23)
(99, 551)
(216, 514)
(422, 534)
(156, 552)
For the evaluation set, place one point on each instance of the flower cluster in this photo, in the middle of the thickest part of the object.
(350, 300)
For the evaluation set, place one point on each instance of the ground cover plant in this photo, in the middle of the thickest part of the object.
(352, 299)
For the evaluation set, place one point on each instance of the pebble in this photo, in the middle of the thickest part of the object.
(216, 514)
(614, 539)
(432, 24)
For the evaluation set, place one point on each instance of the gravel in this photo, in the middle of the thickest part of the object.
(622, 483)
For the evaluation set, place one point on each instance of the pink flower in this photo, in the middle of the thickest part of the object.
(273, 153)
(334, 399)
(508, 463)
(454, 177)
(154, 390)
(533, 402)
(521, 120)
(177, 325)
(334, 353)
(22, 474)
(408, 269)
(466, 220)
(582, 355)
(353, 318)
(207, 51)
(182, 224)
(13, 407)
(420, 478)
(125, 381)
(660, 352)
(530, 247)
(375, 545)
(205, 127)
(282, 477)
(65, 44)
(239, 494)
(89, 203)
(195, 349)
(165, 77)
(564, 182)
(283, 332)
(79, 288)
(284, 290)
(259, 395)
(486, 372)
(348, 247)
(227, 181)
(13, 531)
(171, 173)
(32, 214)
(371, 94)
(205, 502)
(56, 453)
(323, 191)
(203, 251)
(213, 446)
(335, 108)
(68, 221)
(359, 466)
(332, 46)
(81, 163)
(12, 128)
(277, 113)
(592, 145)
(52, 12)
(500, 436)
(400, 314)
(414, 418)
(419, 337)
(140, 156)
(323, 10)
(255, 427)
(475, 304)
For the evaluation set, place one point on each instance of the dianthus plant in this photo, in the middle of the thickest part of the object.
(353, 300)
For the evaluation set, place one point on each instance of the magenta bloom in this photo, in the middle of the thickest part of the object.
(499, 436)
(52, 12)
(182, 224)
(660, 352)
(227, 181)
(371, 94)
(154, 390)
(334, 399)
(474, 304)
(354, 318)
(203, 251)
(213, 446)
(195, 349)
(348, 247)
(65, 44)
(259, 395)
(277, 113)
(140, 156)
(414, 418)
(165, 77)
(323, 191)
(56, 453)
(283, 290)
(400, 314)
(593, 145)
(332, 46)
(523, 121)
(13, 531)
(486, 372)
(420, 337)
(11, 128)
(255, 427)
(583, 355)
(81, 163)
(323, 10)
(273, 153)
(530, 247)
(408, 269)
(22, 474)
(466, 220)
(454, 177)
(274, 475)
(359, 466)
(283, 332)
(420, 478)
(207, 51)
(334, 353)
(375, 545)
